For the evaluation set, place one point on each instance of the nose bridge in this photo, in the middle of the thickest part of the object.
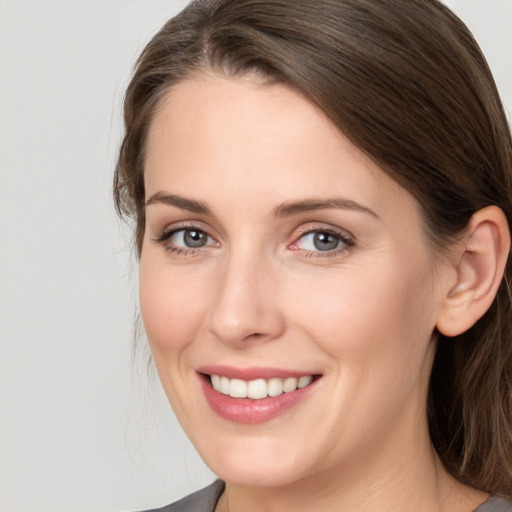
(245, 306)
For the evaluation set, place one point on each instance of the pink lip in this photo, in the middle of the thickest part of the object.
(247, 410)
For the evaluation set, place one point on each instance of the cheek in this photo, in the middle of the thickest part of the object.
(173, 306)
(377, 333)
(370, 316)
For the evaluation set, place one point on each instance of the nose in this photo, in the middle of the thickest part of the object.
(246, 307)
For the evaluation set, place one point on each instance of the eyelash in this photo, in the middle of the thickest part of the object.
(167, 234)
(342, 238)
(346, 241)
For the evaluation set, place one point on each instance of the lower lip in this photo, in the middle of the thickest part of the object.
(251, 411)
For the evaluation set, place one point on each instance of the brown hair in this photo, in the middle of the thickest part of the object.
(407, 83)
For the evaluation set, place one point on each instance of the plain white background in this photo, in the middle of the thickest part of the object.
(81, 427)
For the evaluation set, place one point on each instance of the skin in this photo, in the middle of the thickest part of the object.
(260, 293)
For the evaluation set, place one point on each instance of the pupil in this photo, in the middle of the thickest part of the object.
(194, 238)
(325, 242)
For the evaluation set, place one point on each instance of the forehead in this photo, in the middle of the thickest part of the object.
(216, 112)
(218, 138)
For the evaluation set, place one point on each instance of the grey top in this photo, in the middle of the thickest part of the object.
(495, 504)
(206, 500)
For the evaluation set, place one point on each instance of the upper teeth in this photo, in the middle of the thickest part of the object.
(259, 388)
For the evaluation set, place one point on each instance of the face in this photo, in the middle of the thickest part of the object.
(286, 286)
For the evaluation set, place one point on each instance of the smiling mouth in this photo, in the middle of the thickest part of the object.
(259, 388)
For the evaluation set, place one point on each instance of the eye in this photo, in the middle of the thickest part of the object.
(322, 241)
(190, 238)
(185, 239)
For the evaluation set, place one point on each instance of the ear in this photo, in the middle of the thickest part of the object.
(479, 265)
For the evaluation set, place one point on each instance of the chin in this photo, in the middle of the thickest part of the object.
(264, 474)
(253, 462)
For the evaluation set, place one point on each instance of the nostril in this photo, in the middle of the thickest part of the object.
(255, 335)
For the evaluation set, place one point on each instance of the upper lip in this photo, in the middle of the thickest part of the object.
(253, 373)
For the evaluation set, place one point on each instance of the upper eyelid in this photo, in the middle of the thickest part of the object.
(170, 231)
(312, 227)
(348, 240)
(183, 225)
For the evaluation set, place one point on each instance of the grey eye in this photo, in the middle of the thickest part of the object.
(322, 241)
(194, 238)
(325, 241)
(190, 238)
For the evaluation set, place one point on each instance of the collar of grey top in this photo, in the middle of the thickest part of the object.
(495, 504)
(206, 500)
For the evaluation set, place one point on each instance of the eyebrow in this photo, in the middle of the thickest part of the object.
(179, 202)
(293, 208)
(286, 209)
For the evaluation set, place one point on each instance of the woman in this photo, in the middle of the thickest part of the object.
(321, 192)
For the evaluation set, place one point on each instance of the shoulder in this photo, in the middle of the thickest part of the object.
(495, 504)
(204, 500)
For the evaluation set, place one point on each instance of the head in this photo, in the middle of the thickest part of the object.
(413, 93)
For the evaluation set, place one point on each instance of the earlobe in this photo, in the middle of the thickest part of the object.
(480, 264)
